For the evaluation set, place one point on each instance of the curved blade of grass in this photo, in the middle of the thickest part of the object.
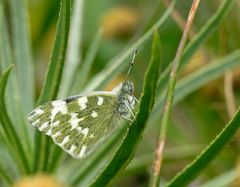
(74, 53)
(56, 64)
(207, 74)
(12, 93)
(20, 88)
(52, 82)
(23, 56)
(197, 41)
(134, 134)
(83, 71)
(9, 129)
(199, 78)
(117, 64)
(208, 154)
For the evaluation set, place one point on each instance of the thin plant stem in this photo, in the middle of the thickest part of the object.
(155, 176)
(178, 19)
(228, 92)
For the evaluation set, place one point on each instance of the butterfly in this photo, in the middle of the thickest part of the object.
(79, 123)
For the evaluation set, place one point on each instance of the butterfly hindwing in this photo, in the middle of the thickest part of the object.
(77, 124)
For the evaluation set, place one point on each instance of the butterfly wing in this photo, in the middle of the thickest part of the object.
(77, 124)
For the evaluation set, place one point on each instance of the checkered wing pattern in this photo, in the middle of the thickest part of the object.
(77, 124)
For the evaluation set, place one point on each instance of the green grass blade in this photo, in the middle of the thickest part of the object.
(209, 153)
(119, 63)
(134, 134)
(56, 64)
(83, 71)
(9, 129)
(20, 89)
(74, 52)
(208, 29)
(5, 61)
(52, 82)
(199, 78)
(23, 56)
(207, 74)
(198, 40)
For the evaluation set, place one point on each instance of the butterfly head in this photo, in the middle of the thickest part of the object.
(126, 98)
(127, 88)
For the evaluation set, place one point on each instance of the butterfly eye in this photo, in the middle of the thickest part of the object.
(128, 88)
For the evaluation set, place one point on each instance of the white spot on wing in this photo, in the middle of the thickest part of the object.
(73, 147)
(65, 140)
(35, 112)
(49, 132)
(79, 129)
(100, 101)
(43, 126)
(35, 122)
(82, 102)
(57, 134)
(58, 103)
(85, 131)
(58, 106)
(74, 121)
(94, 114)
(83, 149)
(55, 124)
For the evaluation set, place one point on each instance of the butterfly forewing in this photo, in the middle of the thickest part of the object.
(79, 123)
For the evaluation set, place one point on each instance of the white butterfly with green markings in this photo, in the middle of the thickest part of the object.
(78, 123)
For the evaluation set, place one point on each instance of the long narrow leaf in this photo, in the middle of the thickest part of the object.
(56, 64)
(134, 135)
(208, 154)
(9, 129)
(199, 78)
(21, 87)
(23, 56)
(118, 63)
(198, 40)
(83, 71)
(52, 82)
(74, 53)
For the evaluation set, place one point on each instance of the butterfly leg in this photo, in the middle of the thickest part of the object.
(129, 109)
(127, 119)
(136, 100)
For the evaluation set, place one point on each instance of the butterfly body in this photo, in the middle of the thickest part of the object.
(78, 123)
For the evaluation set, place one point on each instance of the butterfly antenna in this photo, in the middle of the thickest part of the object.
(132, 62)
